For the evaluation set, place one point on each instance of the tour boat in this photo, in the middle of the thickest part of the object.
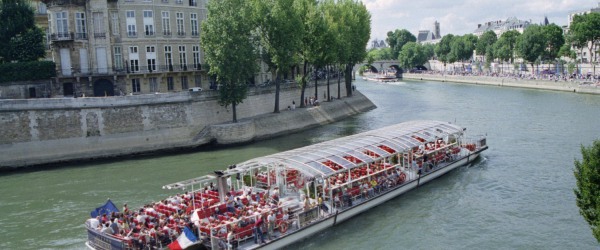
(294, 194)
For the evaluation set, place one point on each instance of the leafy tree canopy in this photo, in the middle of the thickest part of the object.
(531, 45)
(20, 39)
(587, 192)
(397, 39)
(412, 55)
(486, 40)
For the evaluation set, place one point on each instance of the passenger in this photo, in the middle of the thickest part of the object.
(107, 229)
(258, 235)
(115, 226)
(271, 225)
(230, 203)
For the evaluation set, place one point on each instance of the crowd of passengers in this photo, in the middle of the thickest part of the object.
(244, 214)
(248, 213)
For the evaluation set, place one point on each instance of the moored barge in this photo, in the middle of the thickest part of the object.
(273, 201)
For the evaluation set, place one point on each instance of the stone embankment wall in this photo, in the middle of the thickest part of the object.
(42, 131)
(568, 86)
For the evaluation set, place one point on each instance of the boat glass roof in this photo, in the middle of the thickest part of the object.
(311, 160)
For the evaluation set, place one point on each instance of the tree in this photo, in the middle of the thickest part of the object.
(487, 39)
(20, 39)
(587, 192)
(311, 27)
(397, 39)
(585, 31)
(412, 55)
(429, 50)
(229, 47)
(554, 41)
(531, 45)
(381, 54)
(443, 49)
(504, 48)
(356, 20)
(278, 22)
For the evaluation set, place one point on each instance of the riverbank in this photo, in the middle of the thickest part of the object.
(567, 86)
(49, 131)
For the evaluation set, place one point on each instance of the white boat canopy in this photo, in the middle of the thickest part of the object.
(366, 147)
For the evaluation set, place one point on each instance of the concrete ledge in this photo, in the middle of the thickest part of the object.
(566, 86)
(193, 134)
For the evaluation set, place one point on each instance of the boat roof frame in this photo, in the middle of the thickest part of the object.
(310, 159)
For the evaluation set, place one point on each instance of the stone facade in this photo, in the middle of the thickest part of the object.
(50, 130)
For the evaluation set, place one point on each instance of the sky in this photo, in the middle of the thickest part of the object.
(461, 17)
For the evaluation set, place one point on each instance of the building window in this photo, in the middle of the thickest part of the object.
(184, 82)
(179, 1)
(131, 24)
(80, 32)
(118, 61)
(193, 3)
(169, 57)
(196, 55)
(62, 27)
(170, 84)
(135, 85)
(115, 22)
(194, 23)
(42, 8)
(99, 31)
(151, 58)
(180, 27)
(153, 84)
(148, 23)
(182, 58)
(134, 59)
(166, 23)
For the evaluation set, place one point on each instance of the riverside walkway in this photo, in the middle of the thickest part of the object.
(569, 85)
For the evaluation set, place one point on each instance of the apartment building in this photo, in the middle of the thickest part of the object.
(119, 47)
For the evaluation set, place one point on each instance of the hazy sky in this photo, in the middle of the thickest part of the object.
(460, 17)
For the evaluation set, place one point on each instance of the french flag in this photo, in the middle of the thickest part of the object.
(186, 239)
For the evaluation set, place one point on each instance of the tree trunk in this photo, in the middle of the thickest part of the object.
(339, 92)
(316, 93)
(234, 112)
(328, 94)
(348, 78)
(276, 109)
(303, 85)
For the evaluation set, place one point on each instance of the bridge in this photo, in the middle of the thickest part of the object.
(387, 65)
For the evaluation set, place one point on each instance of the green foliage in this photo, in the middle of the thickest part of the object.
(571, 67)
(487, 39)
(397, 39)
(444, 48)
(380, 54)
(587, 192)
(504, 48)
(411, 55)
(585, 31)
(566, 51)
(554, 41)
(27, 71)
(20, 39)
(429, 50)
(223, 33)
(280, 29)
(531, 45)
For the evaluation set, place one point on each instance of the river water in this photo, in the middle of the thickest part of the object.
(518, 196)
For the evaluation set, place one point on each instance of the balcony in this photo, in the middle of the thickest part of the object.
(100, 35)
(56, 37)
(52, 3)
(81, 36)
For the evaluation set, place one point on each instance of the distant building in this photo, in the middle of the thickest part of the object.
(583, 54)
(500, 26)
(428, 36)
(378, 44)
